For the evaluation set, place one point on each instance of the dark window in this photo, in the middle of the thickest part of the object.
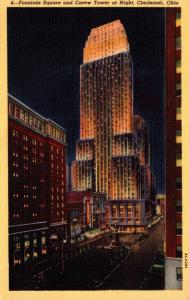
(178, 156)
(178, 89)
(178, 15)
(179, 251)
(179, 273)
(178, 183)
(179, 205)
(179, 228)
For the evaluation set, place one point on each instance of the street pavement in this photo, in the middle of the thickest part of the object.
(132, 272)
(96, 269)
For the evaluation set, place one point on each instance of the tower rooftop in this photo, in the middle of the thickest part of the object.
(106, 40)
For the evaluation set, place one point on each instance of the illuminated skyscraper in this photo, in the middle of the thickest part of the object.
(107, 154)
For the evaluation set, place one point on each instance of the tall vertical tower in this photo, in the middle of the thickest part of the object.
(105, 103)
(107, 155)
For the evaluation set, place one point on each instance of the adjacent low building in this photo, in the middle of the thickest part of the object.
(84, 210)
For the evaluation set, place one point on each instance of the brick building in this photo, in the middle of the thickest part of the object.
(37, 182)
(84, 210)
(173, 278)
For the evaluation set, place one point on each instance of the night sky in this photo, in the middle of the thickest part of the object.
(45, 51)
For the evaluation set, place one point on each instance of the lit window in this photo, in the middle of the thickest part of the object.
(43, 243)
(26, 249)
(178, 66)
(17, 243)
(35, 122)
(11, 108)
(178, 136)
(17, 258)
(26, 117)
(17, 111)
(178, 113)
(178, 19)
(21, 114)
(34, 142)
(35, 241)
(27, 243)
(178, 160)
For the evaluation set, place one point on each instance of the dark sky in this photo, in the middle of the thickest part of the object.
(45, 51)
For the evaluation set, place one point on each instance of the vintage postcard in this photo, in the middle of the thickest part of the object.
(94, 130)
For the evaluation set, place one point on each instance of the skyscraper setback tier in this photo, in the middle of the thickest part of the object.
(113, 145)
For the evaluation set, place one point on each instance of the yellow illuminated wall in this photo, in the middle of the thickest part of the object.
(105, 40)
(125, 182)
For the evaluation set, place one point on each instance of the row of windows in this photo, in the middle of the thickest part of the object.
(25, 196)
(109, 59)
(17, 215)
(57, 197)
(90, 80)
(29, 253)
(34, 142)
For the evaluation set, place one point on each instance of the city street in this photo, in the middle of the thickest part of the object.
(99, 270)
(132, 272)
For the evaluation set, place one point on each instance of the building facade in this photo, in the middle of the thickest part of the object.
(37, 183)
(173, 151)
(114, 144)
(84, 210)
